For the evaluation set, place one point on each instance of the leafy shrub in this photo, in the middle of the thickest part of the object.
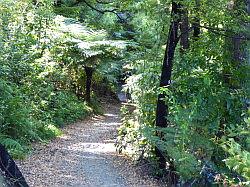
(33, 102)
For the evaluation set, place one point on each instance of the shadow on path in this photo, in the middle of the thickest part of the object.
(84, 156)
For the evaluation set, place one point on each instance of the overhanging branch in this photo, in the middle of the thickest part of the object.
(103, 2)
(224, 32)
(114, 11)
(218, 31)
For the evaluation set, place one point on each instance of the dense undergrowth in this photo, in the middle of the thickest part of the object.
(206, 140)
(42, 77)
(52, 50)
(33, 106)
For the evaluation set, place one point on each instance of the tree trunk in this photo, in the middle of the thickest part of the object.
(247, 50)
(89, 73)
(184, 28)
(12, 174)
(58, 3)
(237, 45)
(196, 24)
(162, 108)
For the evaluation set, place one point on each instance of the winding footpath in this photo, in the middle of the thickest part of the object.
(85, 156)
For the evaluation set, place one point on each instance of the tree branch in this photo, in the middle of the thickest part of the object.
(223, 32)
(218, 31)
(104, 2)
(114, 11)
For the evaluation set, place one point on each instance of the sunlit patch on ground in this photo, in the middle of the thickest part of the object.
(98, 118)
(93, 147)
(84, 156)
(64, 137)
(111, 115)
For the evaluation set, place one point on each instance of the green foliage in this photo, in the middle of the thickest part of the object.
(238, 160)
(33, 101)
(130, 136)
(207, 99)
(42, 78)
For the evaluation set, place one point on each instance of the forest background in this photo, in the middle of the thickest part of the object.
(187, 70)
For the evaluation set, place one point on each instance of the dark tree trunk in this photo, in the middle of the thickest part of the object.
(237, 45)
(89, 73)
(196, 24)
(184, 28)
(248, 33)
(58, 3)
(240, 51)
(162, 108)
(236, 48)
(12, 174)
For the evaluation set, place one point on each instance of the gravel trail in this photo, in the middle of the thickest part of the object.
(84, 156)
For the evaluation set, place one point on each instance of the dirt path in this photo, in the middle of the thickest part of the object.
(84, 156)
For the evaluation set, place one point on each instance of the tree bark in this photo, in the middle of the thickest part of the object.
(58, 3)
(184, 28)
(89, 74)
(196, 24)
(12, 174)
(162, 108)
(237, 45)
(247, 50)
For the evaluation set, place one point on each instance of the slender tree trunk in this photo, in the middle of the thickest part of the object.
(196, 24)
(236, 42)
(58, 3)
(237, 46)
(162, 108)
(248, 33)
(184, 28)
(89, 73)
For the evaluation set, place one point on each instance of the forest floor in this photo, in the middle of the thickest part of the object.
(85, 156)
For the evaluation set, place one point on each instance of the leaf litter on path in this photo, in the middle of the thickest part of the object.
(85, 156)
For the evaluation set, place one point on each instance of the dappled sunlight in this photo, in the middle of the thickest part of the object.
(109, 124)
(109, 141)
(93, 147)
(72, 26)
(98, 118)
(65, 137)
(93, 156)
(70, 161)
(68, 176)
(111, 115)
